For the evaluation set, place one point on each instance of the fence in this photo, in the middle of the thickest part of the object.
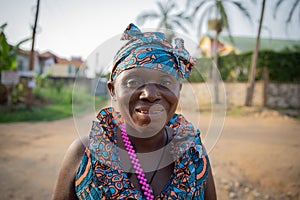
(273, 95)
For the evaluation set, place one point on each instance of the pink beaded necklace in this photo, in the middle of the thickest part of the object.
(148, 192)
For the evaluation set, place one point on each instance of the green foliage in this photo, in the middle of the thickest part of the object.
(41, 113)
(7, 57)
(235, 67)
(8, 53)
(17, 92)
(169, 18)
(199, 72)
(51, 95)
(41, 79)
(53, 104)
(216, 13)
(283, 66)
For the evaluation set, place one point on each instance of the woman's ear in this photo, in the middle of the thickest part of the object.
(111, 89)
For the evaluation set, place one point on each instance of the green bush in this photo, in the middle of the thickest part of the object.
(200, 72)
(283, 66)
(53, 104)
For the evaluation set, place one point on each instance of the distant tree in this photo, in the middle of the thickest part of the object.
(8, 61)
(169, 18)
(215, 14)
(8, 53)
(251, 80)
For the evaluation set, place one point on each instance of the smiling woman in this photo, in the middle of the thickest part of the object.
(146, 98)
(143, 150)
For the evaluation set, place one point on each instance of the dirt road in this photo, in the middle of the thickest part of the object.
(255, 157)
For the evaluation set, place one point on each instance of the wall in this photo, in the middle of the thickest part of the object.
(283, 95)
(278, 95)
(23, 64)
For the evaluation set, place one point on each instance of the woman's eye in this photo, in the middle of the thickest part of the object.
(133, 83)
(166, 83)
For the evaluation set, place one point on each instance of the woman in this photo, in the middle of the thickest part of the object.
(143, 150)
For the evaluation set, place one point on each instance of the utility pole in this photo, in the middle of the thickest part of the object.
(30, 83)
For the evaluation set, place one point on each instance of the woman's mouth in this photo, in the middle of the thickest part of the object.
(153, 116)
(151, 111)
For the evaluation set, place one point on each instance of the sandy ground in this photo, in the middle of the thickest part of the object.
(255, 158)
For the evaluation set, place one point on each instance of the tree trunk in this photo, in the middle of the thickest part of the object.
(251, 81)
(215, 78)
(31, 59)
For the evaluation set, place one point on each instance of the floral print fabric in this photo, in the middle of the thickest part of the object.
(101, 174)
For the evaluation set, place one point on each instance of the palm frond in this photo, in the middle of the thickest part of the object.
(183, 17)
(292, 11)
(2, 27)
(146, 16)
(161, 7)
(22, 41)
(225, 23)
(278, 3)
(188, 4)
(199, 6)
(168, 16)
(203, 17)
(243, 10)
(169, 8)
(224, 18)
(180, 25)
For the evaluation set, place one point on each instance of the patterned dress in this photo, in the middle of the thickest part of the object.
(101, 175)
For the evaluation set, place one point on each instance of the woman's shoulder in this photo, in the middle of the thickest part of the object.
(78, 146)
(64, 188)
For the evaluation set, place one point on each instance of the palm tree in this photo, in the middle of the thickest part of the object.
(168, 17)
(251, 80)
(214, 12)
(291, 11)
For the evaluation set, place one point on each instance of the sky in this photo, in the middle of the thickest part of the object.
(77, 27)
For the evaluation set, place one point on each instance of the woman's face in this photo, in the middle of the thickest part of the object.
(147, 99)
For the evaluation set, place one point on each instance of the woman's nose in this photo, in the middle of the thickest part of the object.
(150, 92)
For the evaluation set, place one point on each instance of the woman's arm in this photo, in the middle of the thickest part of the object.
(65, 184)
(210, 190)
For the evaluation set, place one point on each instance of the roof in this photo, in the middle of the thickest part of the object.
(26, 52)
(47, 54)
(245, 44)
(75, 61)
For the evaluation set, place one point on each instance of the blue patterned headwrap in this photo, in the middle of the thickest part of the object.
(152, 50)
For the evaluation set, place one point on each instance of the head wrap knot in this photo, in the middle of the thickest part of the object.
(152, 50)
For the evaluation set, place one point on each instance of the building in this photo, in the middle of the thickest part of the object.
(49, 63)
(243, 44)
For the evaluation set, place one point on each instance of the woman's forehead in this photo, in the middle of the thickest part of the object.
(145, 73)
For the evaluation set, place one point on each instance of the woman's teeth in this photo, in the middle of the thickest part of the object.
(149, 112)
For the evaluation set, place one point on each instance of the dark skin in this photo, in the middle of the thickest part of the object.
(143, 95)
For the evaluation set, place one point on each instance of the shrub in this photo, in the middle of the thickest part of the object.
(283, 66)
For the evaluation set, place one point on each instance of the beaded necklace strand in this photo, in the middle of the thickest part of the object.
(148, 192)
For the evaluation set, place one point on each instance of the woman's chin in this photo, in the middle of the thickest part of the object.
(145, 130)
(149, 124)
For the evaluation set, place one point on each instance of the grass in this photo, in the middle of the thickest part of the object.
(242, 110)
(246, 111)
(51, 104)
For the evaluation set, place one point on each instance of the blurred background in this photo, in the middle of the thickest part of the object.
(55, 58)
